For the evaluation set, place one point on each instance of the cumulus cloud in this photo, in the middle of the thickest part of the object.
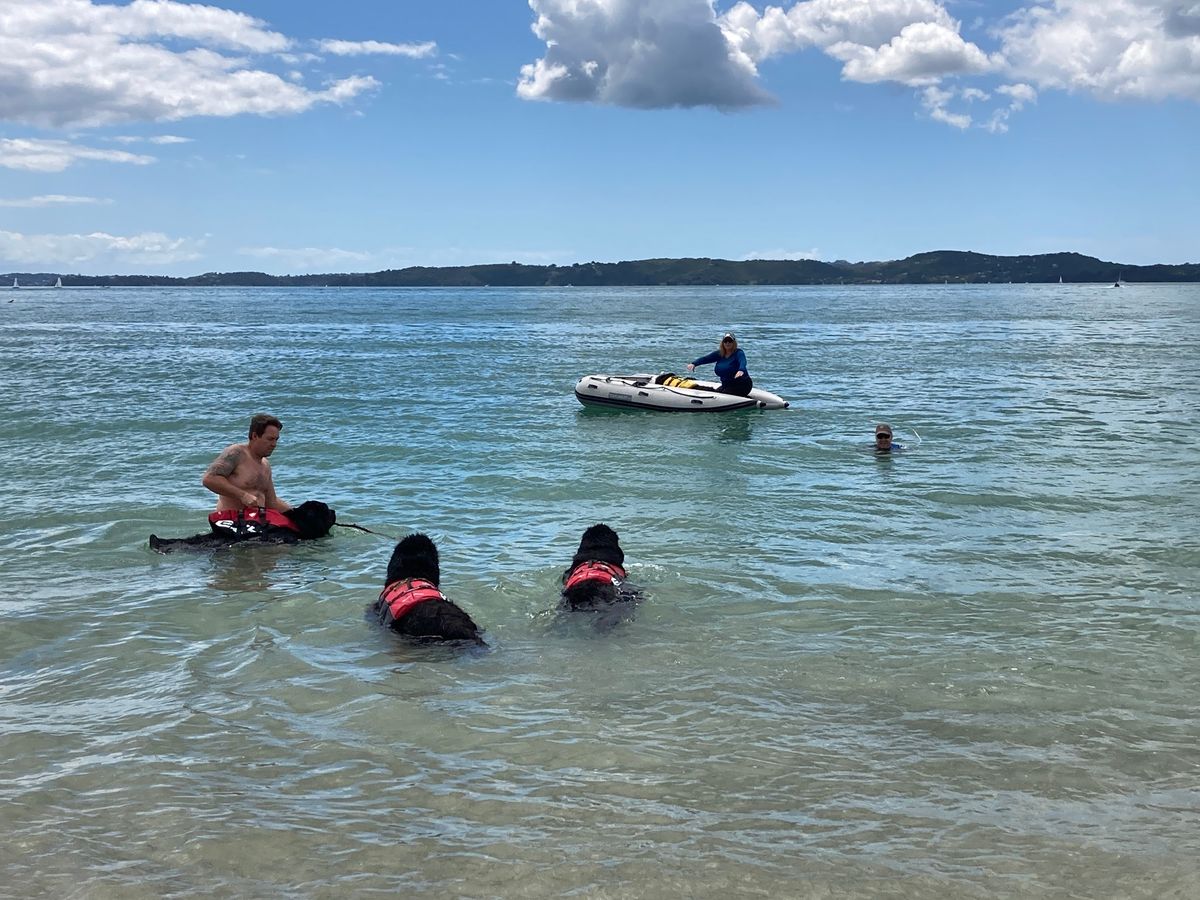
(365, 48)
(660, 53)
(80, 63)
(921, 54)
(97, 251)
(1112, 49)
(657, 53)
(44, 200)
(645, 54)
(28, 155)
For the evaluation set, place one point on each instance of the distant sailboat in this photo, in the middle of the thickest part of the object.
(15, 285)
(58, 283)
(1117, 283)
(1060, 279)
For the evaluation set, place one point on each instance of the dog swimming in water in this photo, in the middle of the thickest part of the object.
(596, 578)
(310, 520)
(412, 602)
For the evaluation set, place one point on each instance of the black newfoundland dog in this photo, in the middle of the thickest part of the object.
(412, 603)
(596, 577)
(310, 520)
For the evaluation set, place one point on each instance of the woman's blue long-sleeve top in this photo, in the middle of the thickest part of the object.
(726, 367)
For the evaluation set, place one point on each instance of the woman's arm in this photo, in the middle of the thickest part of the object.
(707, 358)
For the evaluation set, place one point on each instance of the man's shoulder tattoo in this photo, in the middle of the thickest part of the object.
(226, 462)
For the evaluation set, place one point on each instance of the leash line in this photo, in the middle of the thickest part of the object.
(361, 528)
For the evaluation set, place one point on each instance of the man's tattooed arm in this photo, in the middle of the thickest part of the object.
(224, 464)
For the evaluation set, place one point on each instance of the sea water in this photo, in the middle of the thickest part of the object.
(970, 669)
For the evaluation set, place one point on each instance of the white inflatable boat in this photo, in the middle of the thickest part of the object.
(670, 393)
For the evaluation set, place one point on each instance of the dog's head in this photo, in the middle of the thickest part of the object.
(416, 556)
(312, 519)
(599, 544)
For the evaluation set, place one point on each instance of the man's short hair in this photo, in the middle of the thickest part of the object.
(260, 422)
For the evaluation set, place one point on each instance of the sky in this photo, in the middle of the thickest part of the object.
(303, 136)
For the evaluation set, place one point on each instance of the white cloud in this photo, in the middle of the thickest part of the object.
(1112, 49)
(661, 53)
(645, 54)
(54, 156)
(97, 251)
(44, 200)
(658, 53)
(307, 259)
(783, 254)
(1019, 95)
(914, 42)
(364, 48)
(935, 100)
(923, 53)
(80, 63)
(158, 139)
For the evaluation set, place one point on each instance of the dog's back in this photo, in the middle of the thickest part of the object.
(596, 575)
(412, 590)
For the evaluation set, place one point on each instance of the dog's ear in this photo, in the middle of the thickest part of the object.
(416, 556)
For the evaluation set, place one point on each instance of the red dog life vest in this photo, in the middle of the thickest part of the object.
(595, 571)
(251, 520)
(401, 596)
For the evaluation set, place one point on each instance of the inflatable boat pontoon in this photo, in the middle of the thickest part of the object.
(670, 393)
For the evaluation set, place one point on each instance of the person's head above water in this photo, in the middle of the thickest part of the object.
(264, 434)
(883, 435)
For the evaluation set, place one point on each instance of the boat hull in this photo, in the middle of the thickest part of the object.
(640, 392)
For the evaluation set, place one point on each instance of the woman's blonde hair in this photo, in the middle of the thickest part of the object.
(732, 344)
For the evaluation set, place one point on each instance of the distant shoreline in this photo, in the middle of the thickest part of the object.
(940, 266)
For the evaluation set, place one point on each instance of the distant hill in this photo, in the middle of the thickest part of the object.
(954, 266)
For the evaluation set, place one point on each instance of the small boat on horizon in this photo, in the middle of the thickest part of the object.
(58, 283)
(15, 284)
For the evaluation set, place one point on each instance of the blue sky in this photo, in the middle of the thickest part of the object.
(291, 136)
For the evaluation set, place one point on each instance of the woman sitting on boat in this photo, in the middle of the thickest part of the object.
(730, 367)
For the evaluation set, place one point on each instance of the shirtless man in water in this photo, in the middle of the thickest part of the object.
(241, 475)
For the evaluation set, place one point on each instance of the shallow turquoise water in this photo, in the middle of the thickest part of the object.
(970, 670)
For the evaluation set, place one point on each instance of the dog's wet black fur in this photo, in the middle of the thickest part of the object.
(312, 517)
(599, 544)
(416, 556)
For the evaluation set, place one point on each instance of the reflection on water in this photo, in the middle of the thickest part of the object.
(736, 426)
(245, 568)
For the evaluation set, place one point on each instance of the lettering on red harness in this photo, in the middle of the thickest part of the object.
(251, 520)
(401, 596)
(595, 571)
